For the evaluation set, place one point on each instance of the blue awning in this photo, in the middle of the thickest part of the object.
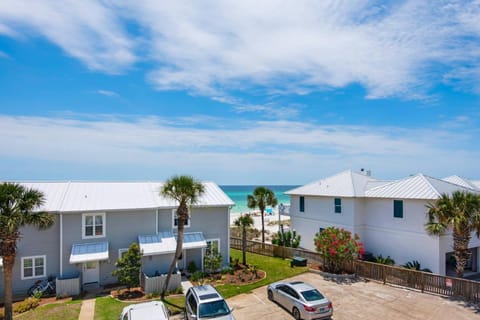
(194, 240)
(161, 243)
(84, 252)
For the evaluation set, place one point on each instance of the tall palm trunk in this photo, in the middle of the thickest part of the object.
(182, 214)
(263, 227)
(462, 254)
(244, 245)
(8, 262)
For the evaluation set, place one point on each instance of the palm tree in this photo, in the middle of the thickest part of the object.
(261, 198)
(185, 190)
(244, 222)
(461, 213)
(17, 205)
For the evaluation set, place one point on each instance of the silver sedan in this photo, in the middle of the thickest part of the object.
(301, 299)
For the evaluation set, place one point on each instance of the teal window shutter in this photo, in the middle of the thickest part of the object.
(398, 208)
(302, 204)
(338, 205)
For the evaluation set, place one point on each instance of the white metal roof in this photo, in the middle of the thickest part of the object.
(161, 243)
(193, 240)
(415, 187)
(344, 184)
(102, 196)
(462, 182)
(84, 252)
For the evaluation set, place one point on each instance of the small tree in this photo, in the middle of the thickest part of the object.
(213, 259)
(336, 247)
(287, 239)
(261, 198)
(128, 267)
(244, 222)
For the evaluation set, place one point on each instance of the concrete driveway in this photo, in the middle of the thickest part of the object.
(360, 300)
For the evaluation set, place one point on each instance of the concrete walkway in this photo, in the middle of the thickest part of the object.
(87, 311)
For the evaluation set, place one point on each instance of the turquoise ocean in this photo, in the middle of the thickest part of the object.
(239, 195)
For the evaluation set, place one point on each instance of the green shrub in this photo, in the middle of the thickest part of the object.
(25, 305)
(415, 265)
(388, 261)
(192, 267)
(196, 276)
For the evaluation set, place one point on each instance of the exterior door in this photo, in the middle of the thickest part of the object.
(91, 272)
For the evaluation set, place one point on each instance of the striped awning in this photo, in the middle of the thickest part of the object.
(194, 240)
(161, 243)
(84, 252)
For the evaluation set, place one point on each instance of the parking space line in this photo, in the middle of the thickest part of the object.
(258, 298)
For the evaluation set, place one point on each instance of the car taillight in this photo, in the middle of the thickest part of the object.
(309, 309)
(330, 305)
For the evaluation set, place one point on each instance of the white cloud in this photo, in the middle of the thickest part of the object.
(218, 48)
(87, 30)
(107, 93)
(279, 151)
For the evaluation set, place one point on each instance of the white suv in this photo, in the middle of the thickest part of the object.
(153, 310)
(204, 302)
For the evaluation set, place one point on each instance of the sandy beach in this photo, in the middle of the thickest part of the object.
(257, 220)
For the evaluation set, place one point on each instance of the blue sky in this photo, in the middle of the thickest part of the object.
(238, 92)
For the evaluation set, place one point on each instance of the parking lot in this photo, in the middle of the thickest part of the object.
(359, 300)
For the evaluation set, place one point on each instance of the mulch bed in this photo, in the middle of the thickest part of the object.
(241, 275)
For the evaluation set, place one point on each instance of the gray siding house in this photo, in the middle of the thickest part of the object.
(95, 223)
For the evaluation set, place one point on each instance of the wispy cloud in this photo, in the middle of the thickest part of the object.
(219, 48)
(107, 93)
(87, 30)
(241, 149)
(4, 55)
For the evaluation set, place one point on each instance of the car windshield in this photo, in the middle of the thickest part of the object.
(312, 295)
(213, 309)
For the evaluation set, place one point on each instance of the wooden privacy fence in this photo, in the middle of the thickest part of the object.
(423, 281)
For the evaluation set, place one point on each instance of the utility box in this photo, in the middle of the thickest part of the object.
(298, 262)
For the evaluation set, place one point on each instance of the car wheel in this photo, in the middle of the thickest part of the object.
(296, 313)
(270, 295)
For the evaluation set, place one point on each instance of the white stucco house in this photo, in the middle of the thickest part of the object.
(389, 216)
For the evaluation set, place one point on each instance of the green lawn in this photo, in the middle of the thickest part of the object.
(55, 311)
(276, 269)
(108, 308)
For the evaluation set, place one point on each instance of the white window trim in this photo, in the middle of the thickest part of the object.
(211, 240)
(121, 251)
(174, 212)
(104, 225)
(35, 276)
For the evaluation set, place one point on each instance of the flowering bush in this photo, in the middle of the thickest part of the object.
(337, 246)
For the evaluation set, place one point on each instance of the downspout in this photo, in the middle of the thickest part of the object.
(156, 221)
(228, 234)
(61, 245)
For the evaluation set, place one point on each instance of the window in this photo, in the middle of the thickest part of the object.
(175, 220)
(302, 204)
(192, 304)
(398, 208)
(33, 267)
(338, 205)
(122, 252)
(212, 244)
(93, 225)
